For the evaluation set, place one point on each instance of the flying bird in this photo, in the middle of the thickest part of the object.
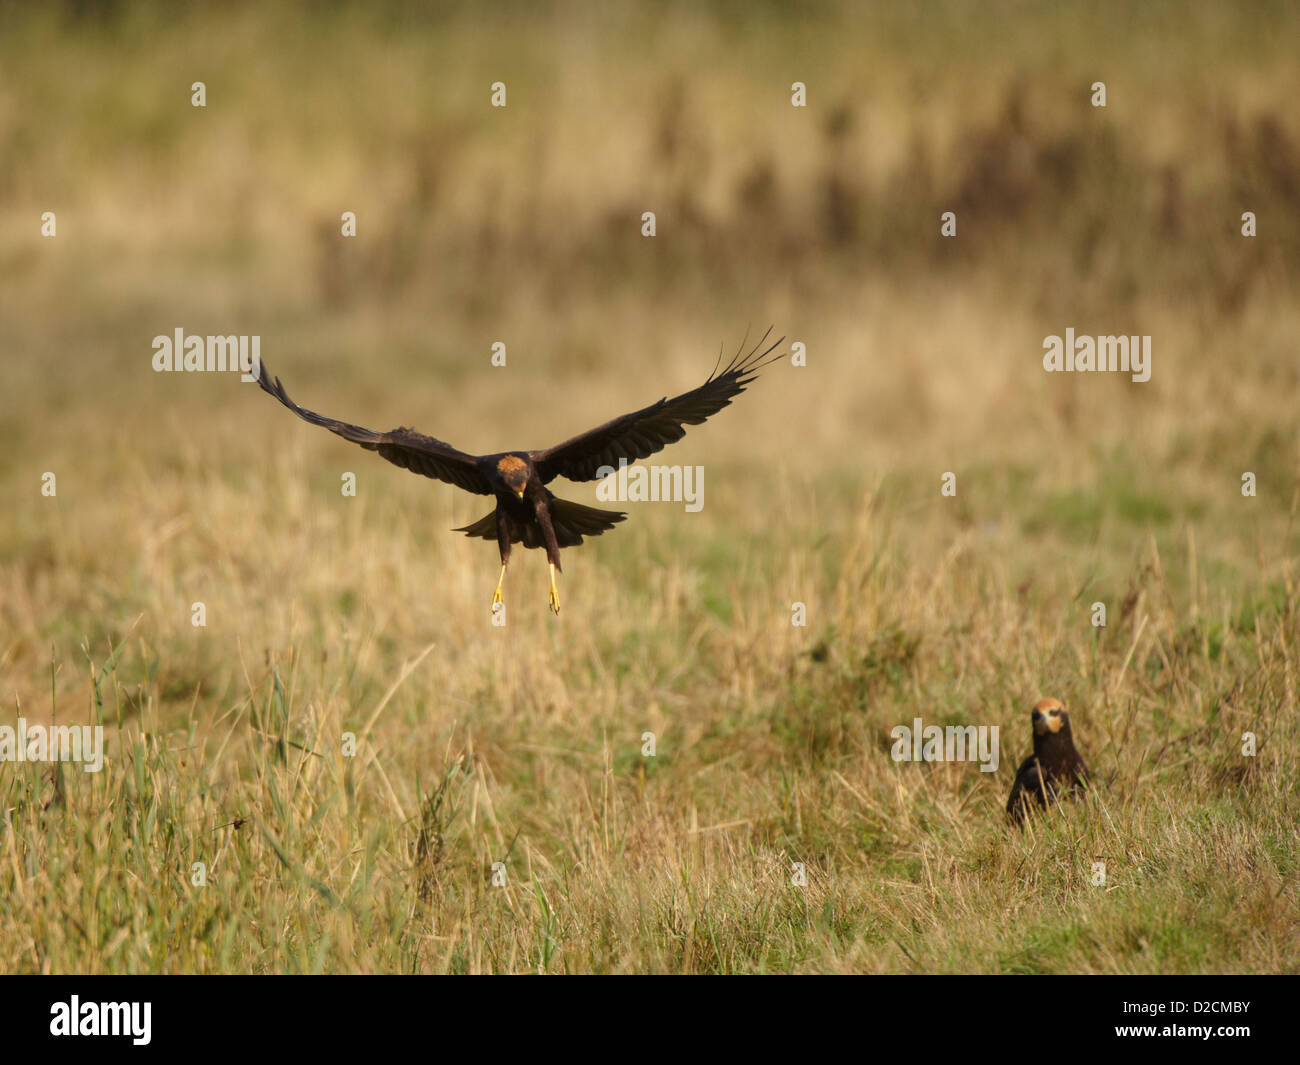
(526, 510)
(1055, 769)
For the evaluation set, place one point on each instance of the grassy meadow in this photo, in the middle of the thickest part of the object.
(329, 615)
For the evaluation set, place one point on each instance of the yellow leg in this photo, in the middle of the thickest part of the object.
(555, 592)
(496, 596)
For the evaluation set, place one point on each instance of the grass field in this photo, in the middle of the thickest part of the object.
(329, 616)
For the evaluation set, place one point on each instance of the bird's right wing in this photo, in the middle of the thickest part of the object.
(402, 447)
(1028, 785)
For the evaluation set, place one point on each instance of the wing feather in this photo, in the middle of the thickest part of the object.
(412, 451)
(644, 432)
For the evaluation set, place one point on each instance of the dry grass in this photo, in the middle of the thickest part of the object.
(328, 615)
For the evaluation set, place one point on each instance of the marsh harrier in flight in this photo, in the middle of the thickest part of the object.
(526, 510)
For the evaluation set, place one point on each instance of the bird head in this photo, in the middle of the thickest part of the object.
(1049, 718)
(514, 471)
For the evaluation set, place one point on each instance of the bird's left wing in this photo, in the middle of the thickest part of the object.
(643, 432)
(402, 447)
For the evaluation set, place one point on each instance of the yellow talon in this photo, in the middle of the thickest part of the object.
(555, 592)
(496, 596)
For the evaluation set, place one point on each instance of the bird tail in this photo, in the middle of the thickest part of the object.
(486, 527)
(573, 521)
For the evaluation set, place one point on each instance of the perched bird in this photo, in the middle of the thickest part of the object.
(526, 510)
(1055, 769)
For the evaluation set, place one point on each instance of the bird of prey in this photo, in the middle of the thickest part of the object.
(1054, 769)
(526, 510)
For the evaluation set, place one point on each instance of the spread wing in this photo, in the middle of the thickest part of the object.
(402, 447)
(643, 432)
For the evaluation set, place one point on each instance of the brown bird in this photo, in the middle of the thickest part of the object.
(526, 510)
(1055, 769)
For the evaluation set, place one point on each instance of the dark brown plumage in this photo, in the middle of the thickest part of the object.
(526, 510)
(1055, 769)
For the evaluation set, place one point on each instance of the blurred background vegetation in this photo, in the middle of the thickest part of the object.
(523, 225)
